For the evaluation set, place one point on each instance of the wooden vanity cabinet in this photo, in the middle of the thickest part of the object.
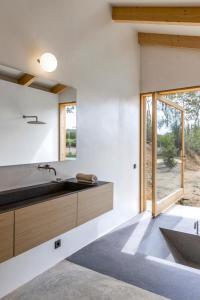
(41, 222)
(94, 202)
(30, 226)
(6, 235)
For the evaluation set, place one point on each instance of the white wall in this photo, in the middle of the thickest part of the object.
(168, 68)
(101, 59)
(69, 95)
(22, 143)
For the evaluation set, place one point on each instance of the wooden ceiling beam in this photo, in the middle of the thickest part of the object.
(169, 40)
(30, 80)
(147, 14)
(58, 88)
(26, 79)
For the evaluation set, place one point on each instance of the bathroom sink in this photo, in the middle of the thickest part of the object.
(45, 190)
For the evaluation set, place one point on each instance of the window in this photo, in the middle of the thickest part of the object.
(68, 131)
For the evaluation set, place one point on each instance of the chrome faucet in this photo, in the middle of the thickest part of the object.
(196, 226)
(47, 167)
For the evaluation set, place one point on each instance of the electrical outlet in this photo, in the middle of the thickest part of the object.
(57, 244)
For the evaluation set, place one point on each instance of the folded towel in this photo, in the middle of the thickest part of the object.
(86, 178)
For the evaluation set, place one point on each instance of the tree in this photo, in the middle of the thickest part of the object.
(191, 102)
(149, 120)
(168, 150)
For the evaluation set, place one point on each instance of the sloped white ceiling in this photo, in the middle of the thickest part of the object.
(65, 28)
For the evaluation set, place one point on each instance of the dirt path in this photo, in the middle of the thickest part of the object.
(168, 180)
(192, 188)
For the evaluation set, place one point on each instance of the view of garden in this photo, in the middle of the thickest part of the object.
(169, 147)
(71, 131)
(71, 142)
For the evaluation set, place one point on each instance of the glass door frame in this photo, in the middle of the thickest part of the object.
(157, 208)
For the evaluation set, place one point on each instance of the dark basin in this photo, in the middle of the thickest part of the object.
(29, 193)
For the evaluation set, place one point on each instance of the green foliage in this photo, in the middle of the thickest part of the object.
(71, 134)
(149, 120)
(71, 138)
(170, 126)
(168, 149)
(191, 102)
(194, 140)
(71, 155)
(71, 143)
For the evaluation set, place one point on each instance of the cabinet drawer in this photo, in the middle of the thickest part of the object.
(94, 202)
(41, 222)
(6, 235)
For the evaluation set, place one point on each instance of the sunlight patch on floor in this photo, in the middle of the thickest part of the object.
(188, 215)
(189, 212)
(137, 236)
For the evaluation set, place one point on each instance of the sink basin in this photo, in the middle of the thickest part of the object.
(29, 193)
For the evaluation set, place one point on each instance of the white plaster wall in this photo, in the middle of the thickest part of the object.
(22, 143)
(101, 60)
(165, 68)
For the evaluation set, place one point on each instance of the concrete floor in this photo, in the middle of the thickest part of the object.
(137, 250)
(67, 281)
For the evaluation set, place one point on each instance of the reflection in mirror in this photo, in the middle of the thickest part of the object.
(29, 119)
(68, 131)
(26, 140)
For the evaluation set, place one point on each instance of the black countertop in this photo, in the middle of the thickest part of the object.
(25, 196)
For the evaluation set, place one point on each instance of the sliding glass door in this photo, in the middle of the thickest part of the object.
(162, 153)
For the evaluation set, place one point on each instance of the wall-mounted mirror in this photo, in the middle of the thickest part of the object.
(31, 130)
